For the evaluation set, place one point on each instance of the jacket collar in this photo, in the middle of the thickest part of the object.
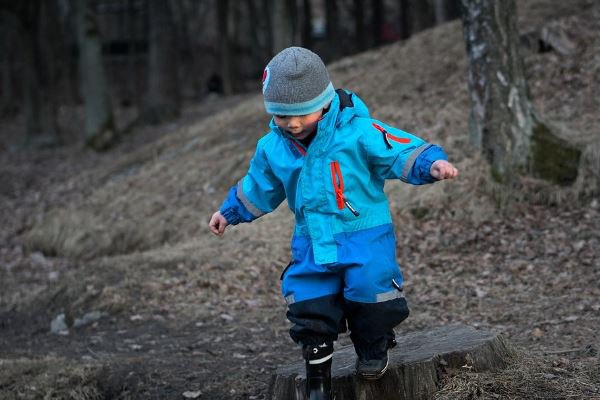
(333, 118)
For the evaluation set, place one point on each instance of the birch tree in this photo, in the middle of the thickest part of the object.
(503, 124)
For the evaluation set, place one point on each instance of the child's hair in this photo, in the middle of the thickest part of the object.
(296, 82)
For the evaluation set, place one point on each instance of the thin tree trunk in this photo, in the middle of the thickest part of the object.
(7, 35)
(256, 46)
(307, 27)
(404, 19)
(359, 24)
(294, 18)
(40, 79)
(421, 15)
(132, 81)
(332, 27)
(223, 15)
(188, 59)
(72, 90)
(377, 21)
(163, 99)
(235, 33)
(445, 10)
(283, 25)
(503, 124)
(100, 131)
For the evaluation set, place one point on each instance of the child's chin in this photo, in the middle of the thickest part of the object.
(299, 136)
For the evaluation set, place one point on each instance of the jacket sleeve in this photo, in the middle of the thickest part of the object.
(256, 194)
(395, 154)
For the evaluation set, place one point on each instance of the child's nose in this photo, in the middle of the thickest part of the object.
(294, 123)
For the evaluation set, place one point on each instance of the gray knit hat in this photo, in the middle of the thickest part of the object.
(296, 82)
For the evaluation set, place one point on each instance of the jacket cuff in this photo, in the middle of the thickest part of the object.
(430, 156)
(234, 210)
(421, 170)
(232, 217)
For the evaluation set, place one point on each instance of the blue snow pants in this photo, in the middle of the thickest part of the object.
(361, 291)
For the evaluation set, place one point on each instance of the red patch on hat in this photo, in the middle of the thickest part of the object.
(265, 79)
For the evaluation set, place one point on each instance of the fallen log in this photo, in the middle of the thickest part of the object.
(416, 365)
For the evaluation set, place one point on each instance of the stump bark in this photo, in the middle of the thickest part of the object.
(416, 365)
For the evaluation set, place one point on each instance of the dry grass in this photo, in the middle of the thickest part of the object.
(49, 378)
(528, 377)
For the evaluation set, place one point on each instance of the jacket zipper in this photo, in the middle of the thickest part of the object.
(338, 187)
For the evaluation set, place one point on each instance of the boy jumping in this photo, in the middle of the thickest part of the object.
(330, 159)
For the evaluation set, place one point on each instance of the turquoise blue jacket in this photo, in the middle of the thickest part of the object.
(336, 184)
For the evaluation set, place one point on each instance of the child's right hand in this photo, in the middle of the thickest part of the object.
(218, 223)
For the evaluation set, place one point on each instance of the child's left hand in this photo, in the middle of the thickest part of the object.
(442, 169)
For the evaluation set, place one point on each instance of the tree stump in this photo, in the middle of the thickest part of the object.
(415, 368)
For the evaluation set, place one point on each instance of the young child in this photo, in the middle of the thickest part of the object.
(330, 160)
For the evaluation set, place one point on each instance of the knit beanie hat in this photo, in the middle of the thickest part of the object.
(296, 82)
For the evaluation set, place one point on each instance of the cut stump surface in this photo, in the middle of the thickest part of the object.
(415, 368)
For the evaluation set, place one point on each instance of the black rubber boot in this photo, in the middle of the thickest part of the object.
(318, 371)
(373, 359)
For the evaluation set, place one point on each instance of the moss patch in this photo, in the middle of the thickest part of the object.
(554, 158)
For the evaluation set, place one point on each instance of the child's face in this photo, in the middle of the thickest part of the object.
(299, 126)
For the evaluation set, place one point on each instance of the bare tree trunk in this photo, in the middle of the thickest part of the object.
(377, 21)
(163, 99)
(421, 15)
(7, 87)
(40, 73)
(7, 38)
(306, 24)
(332, 27)
(132, 81)
(188, 56)
(71, 62)
(359, 24)
(100, 131)
(404, 19)
(236, 36)
(223, 15)
(503, 124)
(445, 10)
(283, 24)
(259, 55)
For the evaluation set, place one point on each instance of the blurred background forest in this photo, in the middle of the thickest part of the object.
(124, 123)
(152, 56)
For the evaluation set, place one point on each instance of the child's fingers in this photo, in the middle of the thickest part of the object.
(215, 226)
(443, 170)
(450, 172)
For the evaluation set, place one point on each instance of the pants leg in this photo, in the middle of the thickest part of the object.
(374, 302)
(314, 295)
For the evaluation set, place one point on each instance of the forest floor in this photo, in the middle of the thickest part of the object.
(156, 307)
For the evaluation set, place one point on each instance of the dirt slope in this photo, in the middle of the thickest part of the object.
(182, 310)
